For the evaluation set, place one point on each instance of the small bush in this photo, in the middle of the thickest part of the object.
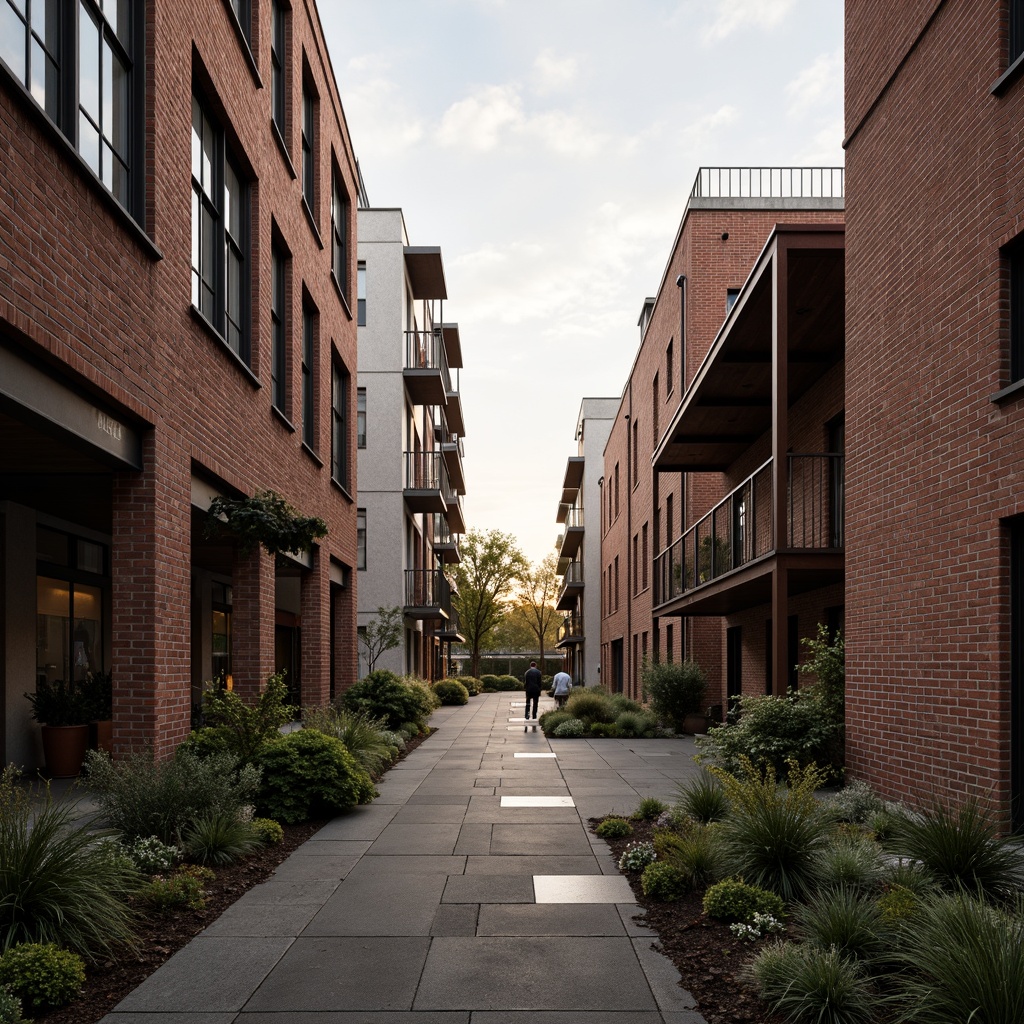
(10, 1007)
(178, 891)
(637, 856)
(851, 861)
(504, 683)
(219, 838)
(42, 975)
(695, 852)
(897, 905)
(590, 706)
(490, 683)
(451, 693)
(622, 703)
(614, 828)
(649, 809)
(365, 738)
(425, 692)
(633, 723)
(473, 685)
(549, 721)
(664, 882)
(267, 831)
(844, 919)
(151, 856)
(307, 774)
(383, 695)
(703, 798)
(571, 728)
(604, 730)
(675, 690)
(733, 900)
(856, 802)
(759, 926)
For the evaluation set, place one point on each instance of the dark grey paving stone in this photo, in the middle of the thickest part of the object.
(211, 973)
(474, 838)
(333, 848)
(430, 814)
(412, 865)
(355, 1017)
(633, 928)
(505, 865)
(682, 1017)
(360, 823)
(488, 889)
(525, 815)
(663, 978)
(455, 919)
(405, 840)
(532, 973)
(344, 973)
(168, 1018)
(263, 919)
(313, 892)
(380, 905)
(549, 919)
(306, 869)
(539, 840)
(569, 1017)
(453, 799)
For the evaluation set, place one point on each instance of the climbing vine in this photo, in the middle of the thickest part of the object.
(265, 519)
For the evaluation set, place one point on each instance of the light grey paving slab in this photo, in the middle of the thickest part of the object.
(333, 848)
(526, 753)
(582, 889)
(532, 973)
(211, 973)
(537, 801)
(263, 919)
(168, 1018)
(489, 889)
(633, 928)
(360, 823)
(474, 838)
(344, 973)
(498, 865)
(430, 814)
(452, 799)
(380, 905)
(549, 919)
(570, 1017)
(354, 1017)
(539, 840)
(302, 868)
(455, 919)
(524, 815)
(313, 892)
(416, 864)
(663, 978)
(404, 840)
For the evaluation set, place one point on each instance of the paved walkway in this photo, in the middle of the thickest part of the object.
(469, 892)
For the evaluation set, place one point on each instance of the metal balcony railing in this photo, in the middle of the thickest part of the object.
(424, 350)
(428, 588)
(574, 518)
(740, 528)
(425, 471)
(769, 183)
(442, 531)
(571, 626)
(573, 574)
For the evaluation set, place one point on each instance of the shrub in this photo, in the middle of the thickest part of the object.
(220, 838)
(962, 849)
(489, 683)
(758, 927)
(58, 884)
(675, 690)
(808, 985)
(648, 809)
(664, 882)
(307, 774)
(773, 835)
(856, 802)
(604, 730)
(10, 1007)
(843, 918)
(141, 797)
(507, 682)
(364, 737)
(633, 723)
(181, 890)
(151, 856)
(590, 706)
(622, 703)
(383, 695)
(733, 900)
(425, 692)
(571, 728)
(703, 798)
(637, 856)
(471, 683)
(551, 720)
(451, 693)
(267, 831)
(965, 961)
(614, 828)
(42, 975)
(696, 853)
(851, 861)
(897, 905)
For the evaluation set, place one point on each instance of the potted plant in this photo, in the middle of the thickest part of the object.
(98, 698)
(60, 709)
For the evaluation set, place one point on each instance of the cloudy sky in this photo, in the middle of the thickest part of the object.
(548, 147)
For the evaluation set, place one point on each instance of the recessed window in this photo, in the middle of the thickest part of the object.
(242, 13)
(360, 287)
(278, 319)
(1015, 261)
(219, 235)
(361, 538)
(278, 66)
(309, 149)
(309, 319)
(731, 295)
(669, 373)
(361, 417)
(1016, 36)
(340, 381)
(339, 232)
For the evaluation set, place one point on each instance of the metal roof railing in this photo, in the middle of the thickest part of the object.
(769, 183)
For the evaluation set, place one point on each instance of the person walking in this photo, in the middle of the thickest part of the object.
(533, 683)
(562, 687)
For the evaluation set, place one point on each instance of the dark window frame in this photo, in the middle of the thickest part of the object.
(360, 417)
(278, 328)
(341, 206)
(361, 539)
(279, 66)
(341, 382)
(308, 161)
(360, 290)
(310, 330)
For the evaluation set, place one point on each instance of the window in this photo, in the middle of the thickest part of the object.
(636, 564)
(361, 538)
(731, 295)
(656, 396)
(309, 325)
(616, 582)
(644, 559)
(278, 66)
(1016, 30)
(668, 520)
(219, 235)
(309, 149)
(669, 375)
(360, 417)
(636, 452)
(669, 650)
(36, 44)
(340, 380)
(243, 14)
(339, 233)
(278, 319)
(1016, 265)
(616, 490)
(360, 287)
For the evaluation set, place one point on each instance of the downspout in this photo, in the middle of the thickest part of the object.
(683, 515)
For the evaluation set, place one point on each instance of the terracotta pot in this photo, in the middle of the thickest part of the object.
(64, 747)
(105, 735)
(695, 724)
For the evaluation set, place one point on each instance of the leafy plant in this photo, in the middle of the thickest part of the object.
(42, 975)
(471, 683)
(665, 882)
(382, 633)
(648, 809)
(551, 720)
(383, 695)
(56, 702)
(571, 728)
(364, 737)
(614, 828)
(267, 831)
(852, 861)
(604, 730)
(151, 856)
(10, 1007)
(694, 852)
(97, 692)
(758, 927)
(856, 802)
(703, 798)
(307, 774)
(734, 900)
(675, 690)
(634, 723)
(621, 703)
(637, 856)
(264, 519)
(220, 838)
(140, 797)
(57, 882)
(590, 706)
(451, 693)
(184, 889)
(844, 919)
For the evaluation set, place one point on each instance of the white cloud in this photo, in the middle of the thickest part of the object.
(819, 85)
(387, 126)
(734, 15)
(551, 72)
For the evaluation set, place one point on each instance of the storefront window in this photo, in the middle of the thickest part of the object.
(221, 633)
(69, 629)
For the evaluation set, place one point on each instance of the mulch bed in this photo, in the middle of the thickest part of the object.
(709, 958)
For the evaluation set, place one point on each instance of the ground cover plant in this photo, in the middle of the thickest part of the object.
(593, 712)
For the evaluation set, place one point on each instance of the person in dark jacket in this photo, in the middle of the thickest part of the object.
(533, 683)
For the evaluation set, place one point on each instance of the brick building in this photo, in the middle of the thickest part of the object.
(676, 576)
(935, 400)
(177, 287)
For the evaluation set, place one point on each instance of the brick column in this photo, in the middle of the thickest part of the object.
(150, 559)
(343, 635)
(316, 631)
(252, 621)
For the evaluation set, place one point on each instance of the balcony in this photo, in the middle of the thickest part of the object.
(573, 479)
(724, 562)
(455, 512)
(570, 632)
(446, 544)
(572, 586)
(428, 595)
(572, 536)
(450, 632)
(451, 449)
(426, 482)
(426, 374)
(453, 410)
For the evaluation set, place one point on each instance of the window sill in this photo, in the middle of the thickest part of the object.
(200, 318)
(1008, 77)
(278, 414)
(243, 41)
(283, 147)
(1013, 390)
(341, 294)
(312, 222)
(312, 454)
(344, 491)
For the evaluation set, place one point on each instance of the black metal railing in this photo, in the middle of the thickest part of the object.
(427, 588)
(424, 350)
(740, 528)
(769, 183)
(573, 574)
(571, 626)
(442, 531)
(426, 471)
(574, 518)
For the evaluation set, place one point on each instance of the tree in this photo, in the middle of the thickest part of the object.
(538, 590)
(381, 634)
(485, 579)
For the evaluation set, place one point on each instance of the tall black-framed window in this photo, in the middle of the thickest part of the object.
(361, 538)
(1015, 265)
(220, 240)
(309, 148)
(278, 319)
(339, 232)
(360, 290)
(1016, 33)
(360, 417)
(340, 380)
(77, 59)
(278, 65)
(309, 318)
(243, 13)
(1016, 751)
